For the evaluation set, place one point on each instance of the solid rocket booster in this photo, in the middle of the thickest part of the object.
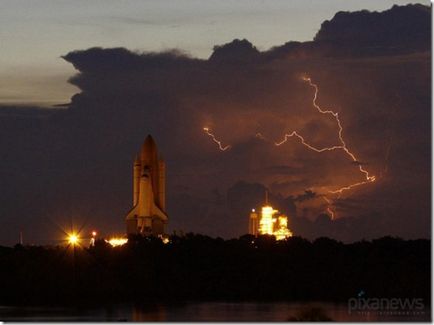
(148, 215)
(136, 180)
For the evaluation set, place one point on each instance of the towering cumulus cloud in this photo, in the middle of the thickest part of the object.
(372, 68)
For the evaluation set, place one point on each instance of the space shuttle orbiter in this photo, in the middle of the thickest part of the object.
(148, 216)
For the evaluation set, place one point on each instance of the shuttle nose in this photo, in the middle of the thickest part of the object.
(149, 148)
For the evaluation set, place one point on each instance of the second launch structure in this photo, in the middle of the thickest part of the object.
(269, 222)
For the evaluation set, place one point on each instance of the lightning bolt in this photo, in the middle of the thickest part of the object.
(259, 136)
(329, 209)
(294, 133)
(342, 146)
(219, 143)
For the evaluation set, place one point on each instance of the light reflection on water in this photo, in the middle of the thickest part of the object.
(206, 311)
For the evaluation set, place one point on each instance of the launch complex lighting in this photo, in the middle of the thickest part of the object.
(271, 222)
(117, 241)
(73, 239)
(266, 224)
(120, 241)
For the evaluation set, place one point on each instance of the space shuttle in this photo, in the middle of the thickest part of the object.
(148, 215)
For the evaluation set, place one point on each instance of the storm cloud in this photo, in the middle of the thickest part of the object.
(74, 162)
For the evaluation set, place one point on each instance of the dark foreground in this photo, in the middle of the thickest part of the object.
(209, 311)
(199, 268)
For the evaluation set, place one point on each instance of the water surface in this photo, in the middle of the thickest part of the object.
(205, 311)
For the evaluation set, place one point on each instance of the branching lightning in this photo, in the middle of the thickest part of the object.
(294, 133)
(219, 143)
(343, 146)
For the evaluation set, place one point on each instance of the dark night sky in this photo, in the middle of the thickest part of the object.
(74, 163)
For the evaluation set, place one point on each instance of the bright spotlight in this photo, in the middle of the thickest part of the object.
(73, 239)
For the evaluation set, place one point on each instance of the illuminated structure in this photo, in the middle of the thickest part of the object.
(270, 222)
(266, 225)
(282, 228)
(148, 216)
(253, 223)
(114, 242)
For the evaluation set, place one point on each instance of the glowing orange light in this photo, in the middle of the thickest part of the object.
(73, 239)
(94, 233)
(270, 225)
(219, 143)
(266, 224)
(117, 241)
(165, 240)
(282, 231)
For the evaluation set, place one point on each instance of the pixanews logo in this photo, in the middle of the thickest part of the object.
(386, 306)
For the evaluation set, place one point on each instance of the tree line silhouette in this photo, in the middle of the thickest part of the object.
(196, 267)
